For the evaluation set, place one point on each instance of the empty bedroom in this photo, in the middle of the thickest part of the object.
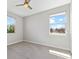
(39, 29)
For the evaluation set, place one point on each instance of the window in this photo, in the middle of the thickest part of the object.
(57, 23)
(10, 25)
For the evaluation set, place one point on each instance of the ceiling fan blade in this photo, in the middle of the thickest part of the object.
(29, 6)
(20, 5)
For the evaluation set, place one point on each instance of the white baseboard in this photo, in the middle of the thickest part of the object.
(46, 45)
(14, 42)
(34, 43)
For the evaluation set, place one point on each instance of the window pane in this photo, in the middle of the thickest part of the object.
(10, 25)
(57, 23)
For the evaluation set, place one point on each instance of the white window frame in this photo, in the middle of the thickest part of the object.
(14, 24)
(61, 13)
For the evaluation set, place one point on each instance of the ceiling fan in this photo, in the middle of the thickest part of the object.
(25, 4)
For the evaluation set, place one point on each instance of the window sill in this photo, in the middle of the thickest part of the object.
(59, 34)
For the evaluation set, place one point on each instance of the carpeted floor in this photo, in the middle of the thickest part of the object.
(24, 50)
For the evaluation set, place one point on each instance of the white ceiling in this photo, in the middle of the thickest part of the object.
(37, 5)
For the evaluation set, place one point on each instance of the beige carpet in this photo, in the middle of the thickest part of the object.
(24, 50)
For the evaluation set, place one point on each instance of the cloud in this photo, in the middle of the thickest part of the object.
(57, 26)
(52, 21)
(60, 19)
(60, 26)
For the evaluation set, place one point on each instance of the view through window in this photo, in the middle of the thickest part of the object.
(10, 25)
(57, 23)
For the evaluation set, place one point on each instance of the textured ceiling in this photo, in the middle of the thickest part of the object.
(37, 5)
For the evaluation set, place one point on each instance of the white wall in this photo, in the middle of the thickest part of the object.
(18, 35)
(36, 29)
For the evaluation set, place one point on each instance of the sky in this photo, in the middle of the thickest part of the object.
(10, 21)
(57, 21)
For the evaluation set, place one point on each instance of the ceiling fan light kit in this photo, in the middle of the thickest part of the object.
(25, 4)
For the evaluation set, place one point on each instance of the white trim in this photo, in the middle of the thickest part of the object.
(14, 42)
(67, 49)
(61, 13)
(62, 34)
